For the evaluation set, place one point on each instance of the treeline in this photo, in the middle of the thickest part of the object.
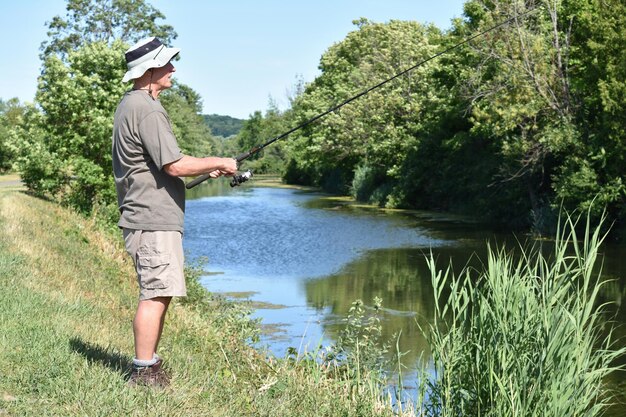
(509, 127)
(223, 126)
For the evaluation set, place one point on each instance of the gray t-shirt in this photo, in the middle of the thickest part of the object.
(143, 142)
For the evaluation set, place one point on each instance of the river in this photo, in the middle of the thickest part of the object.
(302, 258)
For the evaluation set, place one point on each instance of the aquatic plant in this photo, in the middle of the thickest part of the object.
(523, 336)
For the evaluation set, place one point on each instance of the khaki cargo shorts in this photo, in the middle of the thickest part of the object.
(159, 262)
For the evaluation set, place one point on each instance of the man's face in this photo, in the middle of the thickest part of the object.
(162, 77)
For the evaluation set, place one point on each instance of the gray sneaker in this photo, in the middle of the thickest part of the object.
(150, 376)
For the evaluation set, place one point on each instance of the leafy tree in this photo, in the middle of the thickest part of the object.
(259, 129)
(64, 147)
(509, 127)
(104, 21)
(78, 100)
(11, 116)
(251, 133)
(518, 87)
(546, 91)
(592, 174)
(378, 129)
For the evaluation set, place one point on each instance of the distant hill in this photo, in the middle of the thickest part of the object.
(223, 126)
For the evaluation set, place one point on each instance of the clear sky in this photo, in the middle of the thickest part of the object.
(235, 53)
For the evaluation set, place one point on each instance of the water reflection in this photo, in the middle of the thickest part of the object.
(398, 276)
(315, 255)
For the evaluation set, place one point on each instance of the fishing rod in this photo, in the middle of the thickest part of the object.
(245, 176)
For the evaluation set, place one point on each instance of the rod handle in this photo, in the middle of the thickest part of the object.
(197, 181)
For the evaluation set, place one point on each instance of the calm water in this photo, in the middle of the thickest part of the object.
(305, 258)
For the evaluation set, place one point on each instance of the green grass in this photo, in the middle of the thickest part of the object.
(524, 336)
(67, 301)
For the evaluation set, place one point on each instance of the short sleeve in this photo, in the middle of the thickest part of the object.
(158, 139)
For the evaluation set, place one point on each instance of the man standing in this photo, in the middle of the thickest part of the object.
(147, 164)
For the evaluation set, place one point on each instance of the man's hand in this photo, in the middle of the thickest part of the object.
(229, 167)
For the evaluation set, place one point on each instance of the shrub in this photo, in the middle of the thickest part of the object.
(364, 183)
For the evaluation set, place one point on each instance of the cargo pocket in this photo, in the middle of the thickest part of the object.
(153, 271)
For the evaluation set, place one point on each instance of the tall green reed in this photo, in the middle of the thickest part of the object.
(522, 336)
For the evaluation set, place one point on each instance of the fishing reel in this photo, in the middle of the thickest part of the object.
(240, 178)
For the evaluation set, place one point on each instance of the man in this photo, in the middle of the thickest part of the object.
(147, 164)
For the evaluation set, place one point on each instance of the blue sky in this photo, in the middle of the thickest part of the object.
(235, 53)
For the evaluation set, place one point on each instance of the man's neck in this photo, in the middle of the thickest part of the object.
(152, 92)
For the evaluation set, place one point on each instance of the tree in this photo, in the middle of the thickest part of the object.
(77, 99)
(379, 129)
(184, 106)
(592, 175)
(104, 21)
(519, 96)
(66, 151)
(547, 90)
(257, 130)
(510, 127)
(11, 116)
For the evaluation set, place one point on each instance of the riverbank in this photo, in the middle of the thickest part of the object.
(67, 304)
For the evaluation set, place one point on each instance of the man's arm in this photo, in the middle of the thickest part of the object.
(189, 166)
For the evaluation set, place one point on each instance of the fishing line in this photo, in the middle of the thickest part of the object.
(240, 178)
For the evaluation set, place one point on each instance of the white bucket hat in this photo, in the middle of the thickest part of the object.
(145, 54)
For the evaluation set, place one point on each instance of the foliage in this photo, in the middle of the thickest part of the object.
(522, 336)
(224, 126)
(595, 166)
(509, 127)
(366, 185)
(11, 117)
(69, 156)
(63, 145)
(105, 21)
(257, 130)
(359, 348)
(518, 87)
(183, 106)
(381, 127)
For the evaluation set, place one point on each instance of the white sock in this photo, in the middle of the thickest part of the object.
(144, 363)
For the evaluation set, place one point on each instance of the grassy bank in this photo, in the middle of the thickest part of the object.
(67, 303)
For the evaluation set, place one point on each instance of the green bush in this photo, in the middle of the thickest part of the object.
(42, 171)
(363, 183)
(359, 348)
